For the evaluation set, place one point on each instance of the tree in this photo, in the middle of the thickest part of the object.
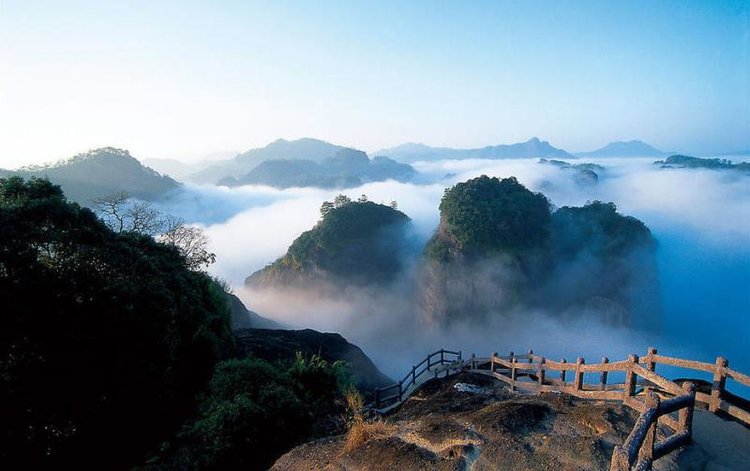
(362, 199)
(326, 208)
(341, 200)
(393, 204)
(191, 241)
(123, 215)
(106, 338)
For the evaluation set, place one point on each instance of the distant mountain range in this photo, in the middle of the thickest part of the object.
(301, 149)
(348, 168)
(99, 172)
(624, 149)
(303, 162)
(533, 148)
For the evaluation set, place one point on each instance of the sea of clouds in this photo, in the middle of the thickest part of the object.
(700, 218)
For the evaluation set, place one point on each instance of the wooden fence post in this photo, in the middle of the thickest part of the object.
(459, 355)
(442, 358)
(492, 362)
(512, 372)
(541, 373)
(400, 391)
(562, 373)
(647, 447)
(650, 365)
(578, 381)
(720, 381)
(413, 375)
(686, 413)
(603, 379)
(531, 355)
(630, 376)
(473, 356)
(620, 459)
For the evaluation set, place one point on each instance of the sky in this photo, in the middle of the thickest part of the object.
(181, 79)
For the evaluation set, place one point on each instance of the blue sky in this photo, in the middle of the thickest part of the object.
(182, 79)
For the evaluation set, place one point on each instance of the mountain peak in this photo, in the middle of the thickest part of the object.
(632, 148)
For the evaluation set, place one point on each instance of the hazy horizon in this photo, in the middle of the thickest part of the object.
(182, 80)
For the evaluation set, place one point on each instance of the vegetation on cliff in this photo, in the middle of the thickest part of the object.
(114, 349)
(499, 245)
(356, 242)
(106, 337)
(487, 215)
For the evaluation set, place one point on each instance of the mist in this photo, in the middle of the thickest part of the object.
(700, 219)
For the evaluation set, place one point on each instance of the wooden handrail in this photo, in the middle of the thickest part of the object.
(640, 449)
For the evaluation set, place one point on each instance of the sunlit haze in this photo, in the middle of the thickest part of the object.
(187, 79)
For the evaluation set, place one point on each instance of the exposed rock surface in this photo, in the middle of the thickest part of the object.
(440, 428)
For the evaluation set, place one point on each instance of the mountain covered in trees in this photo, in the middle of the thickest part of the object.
(355, 243)
(99, 172)
(633, 148)
(686, 161)
(533, 148)
(117, 353)
(348, 168)
(500, 247)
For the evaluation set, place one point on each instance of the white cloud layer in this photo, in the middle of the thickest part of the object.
(701, 219)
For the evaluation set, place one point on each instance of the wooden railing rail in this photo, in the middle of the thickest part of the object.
(655, 397)
(398, 392)
(641, 449)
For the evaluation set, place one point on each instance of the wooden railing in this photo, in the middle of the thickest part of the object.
(398, 392)
(658, 400)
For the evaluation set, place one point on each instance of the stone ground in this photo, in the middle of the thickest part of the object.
(441, 428)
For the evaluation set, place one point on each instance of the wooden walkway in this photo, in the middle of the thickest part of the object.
(661, 402)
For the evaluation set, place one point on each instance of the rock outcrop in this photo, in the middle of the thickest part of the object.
(442, 428)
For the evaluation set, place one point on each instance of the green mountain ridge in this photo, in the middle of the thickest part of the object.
(356, 243)
(99, 172)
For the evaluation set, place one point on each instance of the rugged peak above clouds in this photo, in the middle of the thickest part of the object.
(355, 243)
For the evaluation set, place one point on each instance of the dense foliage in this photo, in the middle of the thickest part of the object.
(355, 240)
(254, 411)
(105, 338)
(491, 215)
(598, 229)
(499, 244)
